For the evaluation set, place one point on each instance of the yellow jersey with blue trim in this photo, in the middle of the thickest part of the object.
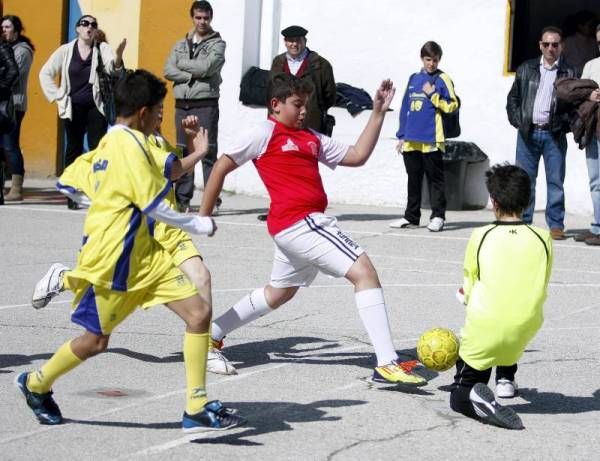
(119, 252)
(78, 175)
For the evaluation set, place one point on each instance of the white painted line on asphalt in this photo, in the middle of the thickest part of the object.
(575, 312)
(13, 306)
(49, 210)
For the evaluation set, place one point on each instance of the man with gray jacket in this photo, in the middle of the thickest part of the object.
(194, 66)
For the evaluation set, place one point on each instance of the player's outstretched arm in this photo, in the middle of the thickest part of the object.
(199, 141)
(359, 153)
(221, 169)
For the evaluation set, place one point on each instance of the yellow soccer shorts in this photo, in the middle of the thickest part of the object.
(176, 242)
(184, 250)
(99, 310)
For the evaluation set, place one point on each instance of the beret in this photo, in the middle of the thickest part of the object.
(294, 31)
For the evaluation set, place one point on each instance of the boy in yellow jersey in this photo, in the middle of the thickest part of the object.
(121, 266)
(77, 183)
(506, 272)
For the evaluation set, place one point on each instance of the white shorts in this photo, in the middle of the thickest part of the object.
(309, 246)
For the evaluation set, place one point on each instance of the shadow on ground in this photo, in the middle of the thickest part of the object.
(267, 416)
(555, 403)
(17, 360)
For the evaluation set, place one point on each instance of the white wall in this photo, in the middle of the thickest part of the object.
(383, 40)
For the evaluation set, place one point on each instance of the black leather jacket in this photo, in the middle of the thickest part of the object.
(9, 71)
(519, 103)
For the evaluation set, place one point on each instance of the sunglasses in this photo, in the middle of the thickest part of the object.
(86, 23)
(552, 44)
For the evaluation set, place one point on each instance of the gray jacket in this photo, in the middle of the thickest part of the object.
(196, 75)
(24, 57)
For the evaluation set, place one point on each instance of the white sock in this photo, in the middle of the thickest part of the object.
(246, 310)
(371, 307)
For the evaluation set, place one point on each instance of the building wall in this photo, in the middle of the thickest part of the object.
(363, 44)
(44, 23)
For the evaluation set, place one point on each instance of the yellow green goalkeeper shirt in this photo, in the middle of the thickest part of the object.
(506, 272)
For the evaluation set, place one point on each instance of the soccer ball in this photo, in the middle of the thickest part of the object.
(437, 349)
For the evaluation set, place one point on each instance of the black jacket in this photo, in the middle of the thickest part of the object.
(519, 103)
(9, 70)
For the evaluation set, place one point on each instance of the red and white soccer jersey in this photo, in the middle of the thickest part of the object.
(287, 160)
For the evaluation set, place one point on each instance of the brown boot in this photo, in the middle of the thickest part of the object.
(16, 189)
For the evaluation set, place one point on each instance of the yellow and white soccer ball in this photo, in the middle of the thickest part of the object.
(437, 349)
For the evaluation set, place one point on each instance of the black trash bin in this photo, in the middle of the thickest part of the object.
(464, 172)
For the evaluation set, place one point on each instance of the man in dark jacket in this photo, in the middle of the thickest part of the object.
(532, 109)
(306, 64)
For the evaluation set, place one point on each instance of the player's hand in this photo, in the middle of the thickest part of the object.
(190, 125)
(460, 296)
(383, 96)
(200, 141)
(119, 51)
(428, 88)
(399, 146)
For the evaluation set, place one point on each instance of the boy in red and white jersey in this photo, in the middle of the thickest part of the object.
(287, 156)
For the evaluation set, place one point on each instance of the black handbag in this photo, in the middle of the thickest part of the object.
(106, 83)
(327, 124)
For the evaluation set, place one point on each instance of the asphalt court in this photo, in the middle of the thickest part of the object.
(302, 369)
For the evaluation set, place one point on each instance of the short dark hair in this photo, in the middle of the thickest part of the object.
(510, 187)
(283, 85)
(202, 5)
(552, 30)
(137, 89)
(431, 49)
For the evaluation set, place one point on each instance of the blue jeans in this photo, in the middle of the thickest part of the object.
(12, 149)
(593, 166)
(553, 150)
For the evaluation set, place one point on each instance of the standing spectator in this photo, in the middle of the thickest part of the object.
(531, 108)
(580, 46)
(78, 93)
(194, 66)
(592, 237)
(429, 93)
(12, 33)
(9, 72)
(307, 65)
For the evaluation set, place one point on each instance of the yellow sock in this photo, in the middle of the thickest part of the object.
(195, 348)
(68, 284)
(63, 361)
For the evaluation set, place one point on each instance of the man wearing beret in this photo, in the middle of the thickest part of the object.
(306, 64)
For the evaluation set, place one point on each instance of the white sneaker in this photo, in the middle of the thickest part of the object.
(217, 363)
(49, 286)
(506, 389)
(436, 224)
(402, 223)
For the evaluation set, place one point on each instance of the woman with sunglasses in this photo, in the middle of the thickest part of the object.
(78, 91)
(12, 33)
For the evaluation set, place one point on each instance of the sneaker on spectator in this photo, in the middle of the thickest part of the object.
(436, 224)
(582, 236)
(403, 223)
